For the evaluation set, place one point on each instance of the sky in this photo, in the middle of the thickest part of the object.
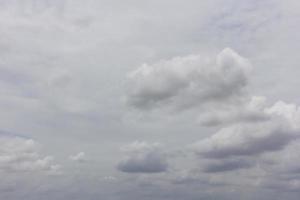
(149, 100)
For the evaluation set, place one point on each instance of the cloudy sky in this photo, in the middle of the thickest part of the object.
(149, 100)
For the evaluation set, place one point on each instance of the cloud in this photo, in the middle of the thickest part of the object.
(288, 112)
(143, 158)
(265, 149)
(285, 162)
(251, 110)
(189, 81)
(277, 129)
(216, 88)
(251, 135)
(80, 157)
(61, 59)
(245, 140)
(19, 154)
(227, 165)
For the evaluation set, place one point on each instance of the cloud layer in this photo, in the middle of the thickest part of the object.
(227, 133)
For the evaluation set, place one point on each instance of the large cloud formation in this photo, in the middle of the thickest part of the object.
(251, 141)
(252, 136)
(61, 70)
(189, 81)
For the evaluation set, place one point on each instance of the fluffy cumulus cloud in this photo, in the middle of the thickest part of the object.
(256, 146)
(19, 154)
(245, 139)
(213, 86)
(193, 80)
(248, 140)
(143, 158)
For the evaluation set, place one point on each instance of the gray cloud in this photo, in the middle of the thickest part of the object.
(227, 165)
(143, 158)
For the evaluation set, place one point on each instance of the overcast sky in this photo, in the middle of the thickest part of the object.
(149, 100)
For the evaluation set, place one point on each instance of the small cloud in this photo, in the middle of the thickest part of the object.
(80, 157)
(109, 178)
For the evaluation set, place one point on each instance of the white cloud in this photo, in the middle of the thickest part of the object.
(80, 157)
(143, 158)
(242, 139)
(263, 153)
(288, 112)
(252, 137)
(190, 81)
(19, 154)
